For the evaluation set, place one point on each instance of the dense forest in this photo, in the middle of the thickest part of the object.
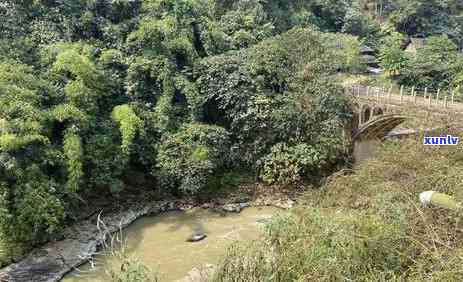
(93, 92)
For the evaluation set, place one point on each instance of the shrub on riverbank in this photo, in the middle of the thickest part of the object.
(366, 226)
(189, 158)
(130, 269)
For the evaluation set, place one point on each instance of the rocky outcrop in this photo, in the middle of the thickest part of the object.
(237, 207)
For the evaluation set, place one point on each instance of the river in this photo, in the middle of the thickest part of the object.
(159, 242)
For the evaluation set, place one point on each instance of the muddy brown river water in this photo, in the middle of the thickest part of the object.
(159, 242)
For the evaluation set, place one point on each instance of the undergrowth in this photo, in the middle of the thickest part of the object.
(367, 225)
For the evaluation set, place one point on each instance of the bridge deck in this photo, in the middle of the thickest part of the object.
(382, 110)
(439, 102)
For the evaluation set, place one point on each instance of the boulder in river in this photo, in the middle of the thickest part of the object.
(235, 208)
(196, 237)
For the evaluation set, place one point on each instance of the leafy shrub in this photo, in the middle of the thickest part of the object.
(288, 164)
(291, 163)
(131, 270)
(188, 158)
(37, 213)
(392, 57)
(346, 53)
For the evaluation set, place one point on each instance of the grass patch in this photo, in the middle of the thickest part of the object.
(366, 226)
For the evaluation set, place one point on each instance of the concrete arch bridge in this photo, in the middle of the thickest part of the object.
(378, 111)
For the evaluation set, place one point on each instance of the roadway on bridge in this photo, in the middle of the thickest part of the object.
(441, 102)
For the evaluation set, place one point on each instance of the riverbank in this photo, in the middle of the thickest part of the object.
(366, 225)
(82, 240)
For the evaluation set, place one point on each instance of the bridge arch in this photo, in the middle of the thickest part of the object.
(378, 127)
(373, 121)
(378, 111)
(365, 113)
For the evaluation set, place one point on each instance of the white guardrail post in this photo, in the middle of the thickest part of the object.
(401, 93)
(430, 99)
(437, 97)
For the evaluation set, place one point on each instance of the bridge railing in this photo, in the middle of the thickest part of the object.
(408, 95)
